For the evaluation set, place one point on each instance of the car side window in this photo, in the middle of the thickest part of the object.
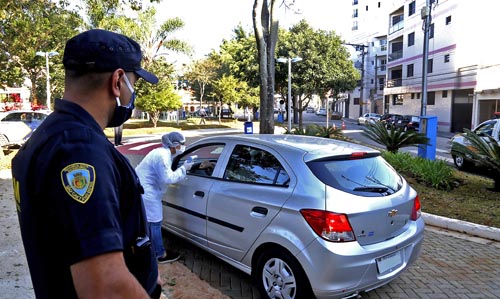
(206, 160)
(253, 165)
(486, 129)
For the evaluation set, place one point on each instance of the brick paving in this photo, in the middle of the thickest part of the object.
(450, 266)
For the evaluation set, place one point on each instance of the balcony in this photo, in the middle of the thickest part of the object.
(396, 27)
(394, 83)
(395, 55)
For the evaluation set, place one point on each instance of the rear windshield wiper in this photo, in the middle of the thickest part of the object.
(374, 189)
(380, 183)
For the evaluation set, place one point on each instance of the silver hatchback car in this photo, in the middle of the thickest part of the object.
(305, 216)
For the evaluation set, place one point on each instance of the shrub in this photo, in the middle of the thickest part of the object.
(434, 173)
(394, 138)
(320, 131)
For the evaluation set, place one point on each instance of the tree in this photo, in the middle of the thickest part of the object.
(325, 68)
(29, 26)
(201, 73)
(228, 90)
(394, 138)
(265, 24)
(162, 97)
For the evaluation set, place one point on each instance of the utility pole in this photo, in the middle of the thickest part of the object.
(361, 89)
(426, 16)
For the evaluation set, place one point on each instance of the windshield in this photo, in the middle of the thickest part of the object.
(371, 176)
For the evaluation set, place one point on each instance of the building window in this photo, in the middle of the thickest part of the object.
(418, 95)
(447, 58)
(356, 101)
(367, 8)
(355, 13)
(411, 8)
(412, 95)
(354, 2)
(409, 70)
(431, 31)
(397, 99)
(448, 20)
(355, 25)
(431, 98)
(381, 83)
(411, 39)
(445, 94)
(383, 45)
(429, 65)
(383, 65)
(379, 5)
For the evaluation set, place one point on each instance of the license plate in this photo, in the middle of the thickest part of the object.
(389, 262)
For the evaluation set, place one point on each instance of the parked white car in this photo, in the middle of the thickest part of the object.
(16, 126)
(368, 118)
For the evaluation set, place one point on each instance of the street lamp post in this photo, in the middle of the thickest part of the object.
(47, 56)
(289, 61)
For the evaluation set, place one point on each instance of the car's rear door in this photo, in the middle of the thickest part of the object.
(252, 190)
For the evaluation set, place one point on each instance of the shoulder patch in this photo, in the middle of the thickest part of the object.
(78, 180)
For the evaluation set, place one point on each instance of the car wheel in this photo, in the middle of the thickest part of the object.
(279, 275)
(459, 161)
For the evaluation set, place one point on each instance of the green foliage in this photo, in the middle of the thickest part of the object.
(394, 138)
(486, 150)
(319, 131)
(28, 27)
(434, 173)
(325, 65)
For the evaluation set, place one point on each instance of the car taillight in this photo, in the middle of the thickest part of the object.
(329, 226)
(416, 212)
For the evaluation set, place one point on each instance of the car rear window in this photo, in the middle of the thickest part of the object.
(371, 176)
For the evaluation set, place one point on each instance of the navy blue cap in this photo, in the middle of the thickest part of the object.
(99, 50)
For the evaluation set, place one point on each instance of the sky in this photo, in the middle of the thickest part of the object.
(208, 22)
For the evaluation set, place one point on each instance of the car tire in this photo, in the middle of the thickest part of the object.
(460, 161)
(279, 275)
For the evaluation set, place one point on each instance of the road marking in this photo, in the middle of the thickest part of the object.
(143, 146)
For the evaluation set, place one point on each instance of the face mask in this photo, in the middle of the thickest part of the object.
(181, 150)
(123, 113)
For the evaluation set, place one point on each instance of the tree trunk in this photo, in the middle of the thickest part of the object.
(265, 25)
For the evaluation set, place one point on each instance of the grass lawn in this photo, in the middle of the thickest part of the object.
(471, 200)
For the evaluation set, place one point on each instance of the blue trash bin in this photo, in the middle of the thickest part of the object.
(248, 127)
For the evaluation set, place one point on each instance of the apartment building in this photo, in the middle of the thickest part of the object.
(463, 69)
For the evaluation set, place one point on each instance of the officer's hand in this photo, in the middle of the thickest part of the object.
(188, 165)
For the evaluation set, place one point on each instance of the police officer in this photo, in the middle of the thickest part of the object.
(78, 199)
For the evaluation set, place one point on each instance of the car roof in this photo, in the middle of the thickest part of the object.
(308, 146)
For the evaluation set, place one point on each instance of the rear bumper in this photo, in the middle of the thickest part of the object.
(349, 268)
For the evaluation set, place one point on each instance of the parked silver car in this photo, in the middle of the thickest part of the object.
(305, 216)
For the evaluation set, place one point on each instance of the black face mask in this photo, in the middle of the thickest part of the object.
(123, 113)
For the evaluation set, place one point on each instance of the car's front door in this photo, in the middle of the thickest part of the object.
(253, 188)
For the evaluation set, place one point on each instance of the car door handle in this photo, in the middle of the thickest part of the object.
(199, 193)
(259, 212)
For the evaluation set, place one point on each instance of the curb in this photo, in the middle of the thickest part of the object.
(483, 231)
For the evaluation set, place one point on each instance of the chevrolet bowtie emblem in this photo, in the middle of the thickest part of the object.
(392, 213)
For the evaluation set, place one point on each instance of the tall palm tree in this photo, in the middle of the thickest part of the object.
(394, 138)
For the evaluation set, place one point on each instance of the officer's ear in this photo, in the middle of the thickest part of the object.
(116, 83)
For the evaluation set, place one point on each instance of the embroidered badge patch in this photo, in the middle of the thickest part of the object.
(78, 180)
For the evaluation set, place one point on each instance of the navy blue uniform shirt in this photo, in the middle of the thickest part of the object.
(77, 197)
